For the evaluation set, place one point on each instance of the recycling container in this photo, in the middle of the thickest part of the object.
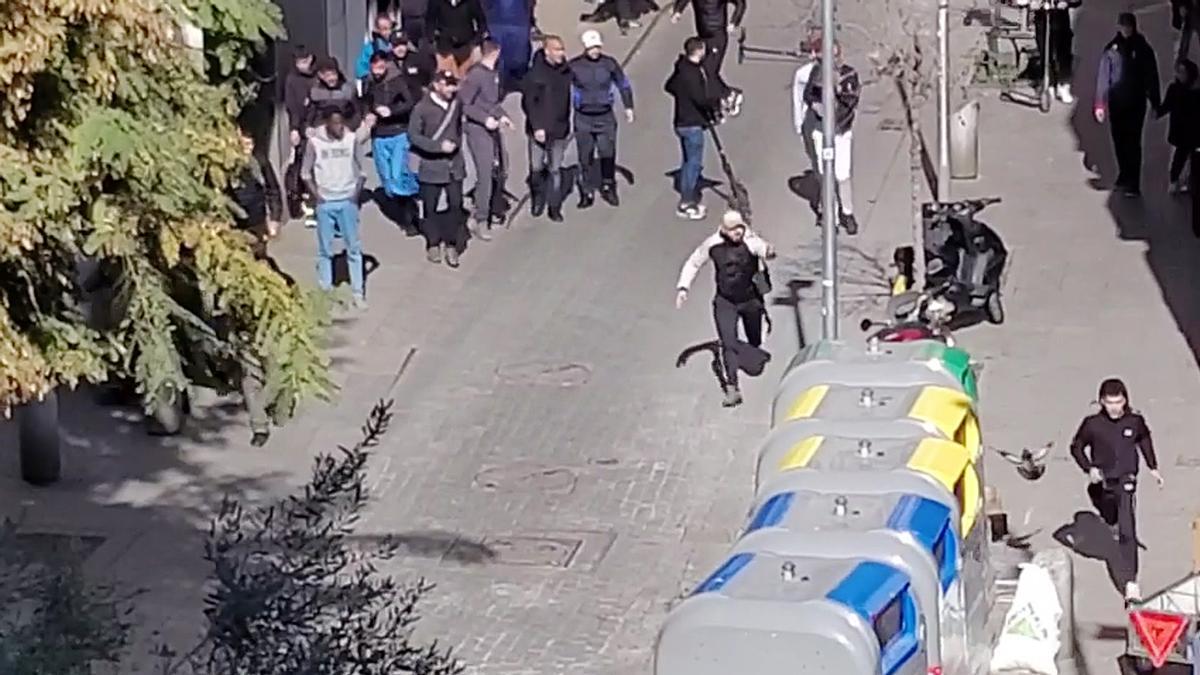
(909, 363)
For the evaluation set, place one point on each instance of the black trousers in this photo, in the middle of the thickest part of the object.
(1179, 159)
(293, 186)
(1061, 38)
(443, 227)
(1116, 501)
(1126, 123)
(726, 314)
(596, 136)
(1194, 189)
(714, 59)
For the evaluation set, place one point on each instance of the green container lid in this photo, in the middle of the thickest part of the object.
(957, 362)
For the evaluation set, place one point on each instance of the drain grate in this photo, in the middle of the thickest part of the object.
(556, 552)
(526, 477)
(544, 373)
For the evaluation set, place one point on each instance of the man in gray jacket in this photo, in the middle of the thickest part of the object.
(435, 131)
(333, 171)
(481, 98)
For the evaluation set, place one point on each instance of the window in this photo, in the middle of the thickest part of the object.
(889, 622)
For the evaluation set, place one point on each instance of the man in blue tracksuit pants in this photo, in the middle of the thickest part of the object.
(389, 97)
(594, 74)
(379, 41)
(509, 23)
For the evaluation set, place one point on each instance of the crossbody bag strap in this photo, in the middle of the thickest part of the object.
(450, 111)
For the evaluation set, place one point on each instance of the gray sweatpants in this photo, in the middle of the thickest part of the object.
(487, 152)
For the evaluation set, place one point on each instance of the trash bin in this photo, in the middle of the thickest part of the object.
(964, 142)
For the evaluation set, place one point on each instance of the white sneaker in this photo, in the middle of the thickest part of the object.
(735, 100)
(1064, 93)
(684, 211)
(360, 303)
(310, 216)
(1132, 592)
(1175, 188)
(697, 212)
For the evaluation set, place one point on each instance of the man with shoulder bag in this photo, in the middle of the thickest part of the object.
(742, 283)
(435, 131)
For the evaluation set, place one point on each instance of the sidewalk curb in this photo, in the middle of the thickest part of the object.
(515, 212)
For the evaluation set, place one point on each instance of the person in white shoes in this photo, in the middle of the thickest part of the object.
(738, 257)
(697, 102)
(1055, 16)
(802, 121)
(848, 89)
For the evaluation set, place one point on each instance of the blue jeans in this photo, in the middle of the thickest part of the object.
(391, 163)
(332, 217)
(691, 144)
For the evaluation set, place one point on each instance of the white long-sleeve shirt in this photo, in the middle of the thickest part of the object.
(691, 267)
(799, 107)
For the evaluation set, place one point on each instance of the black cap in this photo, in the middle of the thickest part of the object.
(328, 63)
(446, 77)
(301, 52)
(399, 38)
(1127, 19)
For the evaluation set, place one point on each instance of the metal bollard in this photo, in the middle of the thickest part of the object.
(964, 142)
(38, 441)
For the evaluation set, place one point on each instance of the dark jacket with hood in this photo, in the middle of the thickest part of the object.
(849, 89)
(1128, 74)
(546, 98)
(393, 92)
(374, 44)
(417, 69)
(324, 100)
(456, 23)
(296, 87)
(592, 82)
(1182, 103)
(255, 191)
(712, 16)
(696, 97)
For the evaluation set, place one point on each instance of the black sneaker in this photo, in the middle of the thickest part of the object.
(609, 194)
(260, 438)
(733, 397)
(555, 215)
(586, 199)
(849, 223)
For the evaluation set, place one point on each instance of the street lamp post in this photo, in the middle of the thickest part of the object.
(943, 34)
(829, 289)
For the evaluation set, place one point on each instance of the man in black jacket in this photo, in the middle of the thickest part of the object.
(594, 75)
(436, 132)
(849, 89)
(1106, 448)
(413, 63)
(714, 25)
(331, 93)
(389, 101)
(296, 85)
(1126, 81)
(412, 20)
(547, 105)
(697, 100)
(457, 27)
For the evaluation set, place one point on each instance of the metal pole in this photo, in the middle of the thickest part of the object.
(829, 208)
(943, 21)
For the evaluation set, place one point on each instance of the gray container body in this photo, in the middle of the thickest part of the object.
(964, 142)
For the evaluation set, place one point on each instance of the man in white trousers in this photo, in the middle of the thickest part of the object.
(846, 95)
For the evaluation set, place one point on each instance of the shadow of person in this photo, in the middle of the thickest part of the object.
(713, 347)
(792, 299)
(807, 186)
(341, 267)
(1088, 536)
(751, 360)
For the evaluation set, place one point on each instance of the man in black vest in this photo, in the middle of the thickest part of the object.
(738, 256)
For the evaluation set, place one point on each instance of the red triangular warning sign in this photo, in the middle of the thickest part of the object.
(1158, 631)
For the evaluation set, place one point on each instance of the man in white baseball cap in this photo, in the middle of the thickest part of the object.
(594, 75)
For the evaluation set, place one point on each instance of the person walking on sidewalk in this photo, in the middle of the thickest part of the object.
(436, 131)
(1182, 104)
(1126, 81)
(389, 98)
(412, 22)
(457, 27)
(546, 102)
(697, 102)
(1106, 448)
(802, 121)
(481, 98)
(509, 24)
(714, 25)
(1055, 16)
(594, 75)
(849, 89)
(296, 87)
(738, 257)
(333, 170)
(416, 65)
(378, 42)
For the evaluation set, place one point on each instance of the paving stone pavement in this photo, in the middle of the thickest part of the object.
(554, 471)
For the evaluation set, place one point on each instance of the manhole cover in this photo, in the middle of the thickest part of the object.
(526, 477)
(533, 551)
(544, 373)
(47, 546)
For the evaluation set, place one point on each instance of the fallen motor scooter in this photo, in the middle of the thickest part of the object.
(914, 315)
(964, 257)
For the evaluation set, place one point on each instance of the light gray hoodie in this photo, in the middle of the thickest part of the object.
(335, 165)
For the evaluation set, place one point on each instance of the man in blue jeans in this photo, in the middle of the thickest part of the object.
(333, 172)
(697, 100)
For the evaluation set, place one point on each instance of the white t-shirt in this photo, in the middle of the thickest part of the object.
(799, 107)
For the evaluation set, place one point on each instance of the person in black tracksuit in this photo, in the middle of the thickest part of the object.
(415, 65)
(1126, 81)
(296, 85)
(412, 21)
(594, 75)
(1055, 16)
(546, 101)
(457, 27)
(738, 256)
(713, 25)
(331, 93)
(389, 98)
(1106, 448)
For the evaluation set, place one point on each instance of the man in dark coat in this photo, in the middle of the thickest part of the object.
(296, 86)
(594, 78)
(697, 103)
(1126, 82)
(436, 133)
(389, 99)
(509, 23)
(714, 24)
(457, 26)
(547, 105)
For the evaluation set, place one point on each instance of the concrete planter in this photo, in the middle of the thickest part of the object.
(39, 441)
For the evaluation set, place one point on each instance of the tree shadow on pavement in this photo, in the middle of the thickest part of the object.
(1160, 221)
(1088, 536)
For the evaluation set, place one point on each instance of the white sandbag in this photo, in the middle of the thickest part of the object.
(1029, 641)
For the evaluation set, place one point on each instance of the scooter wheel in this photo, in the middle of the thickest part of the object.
(1044, 101)
(994, 309)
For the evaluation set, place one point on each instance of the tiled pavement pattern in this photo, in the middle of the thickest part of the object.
(550, 467)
